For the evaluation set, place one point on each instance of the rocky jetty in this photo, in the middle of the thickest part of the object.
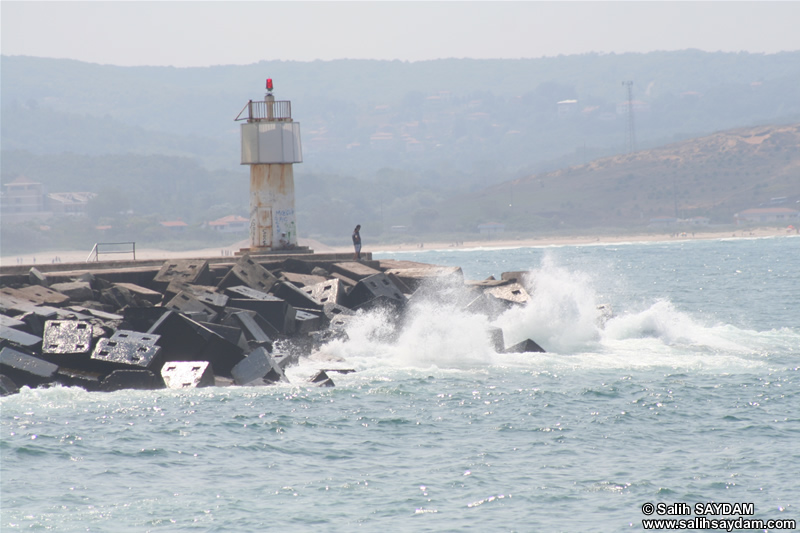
(192, 323)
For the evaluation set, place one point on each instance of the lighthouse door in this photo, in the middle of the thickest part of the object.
(262, 232)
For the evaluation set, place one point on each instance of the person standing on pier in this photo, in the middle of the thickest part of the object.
(357, 242)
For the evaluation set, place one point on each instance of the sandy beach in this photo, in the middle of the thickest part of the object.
(80, 256)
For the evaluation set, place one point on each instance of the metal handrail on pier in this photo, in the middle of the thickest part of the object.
(96, 250)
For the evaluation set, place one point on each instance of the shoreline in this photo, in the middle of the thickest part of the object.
(578, 240)
(74, 256)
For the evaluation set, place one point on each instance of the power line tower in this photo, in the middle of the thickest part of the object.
(631, 130)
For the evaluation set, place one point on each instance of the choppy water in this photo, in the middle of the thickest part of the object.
(690, 393)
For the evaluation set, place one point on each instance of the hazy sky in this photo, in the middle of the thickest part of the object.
(192, 33)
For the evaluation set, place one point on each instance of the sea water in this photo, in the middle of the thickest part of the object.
(688, 393)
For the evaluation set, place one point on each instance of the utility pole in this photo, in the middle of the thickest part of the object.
(631, 131)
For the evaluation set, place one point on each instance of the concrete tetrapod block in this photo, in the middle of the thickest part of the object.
(183, 339)
(258, 364)
(35, 321)
(513, 293)
(12, 305)
(32, 295)
(520, 276)
(131, 379)
(327, 292)
(526, 346)
(347, 283)
(286, 359)
(253, 328)
(322, 379)
(319, 271)
(143, 293)
(123, 354)
(298, 266)
(353, 270)
(392, 264)
(25, 369)
(207, 294)
(402, 287)
(193, 271)
(135, 336)
(188, 304)
(248, 272)
(74, 377)
(232, 334)
(376, 286)
(332, 311)
(337, 326)
(242, 291)
(277, 312)
(75, 291)
(96, 313)
(211, 298)
(187, 374)
(67, 337)
(142, 318)
(44, 295)
(7, 386)
(414, 277)
(306, 321)
(301, 280)
(9, 322)
(487, 283)
(488, 305)
(35, 277)
(20, 338)
(294, 295)
(117, 297)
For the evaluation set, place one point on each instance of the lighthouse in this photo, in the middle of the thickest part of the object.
(271, 145)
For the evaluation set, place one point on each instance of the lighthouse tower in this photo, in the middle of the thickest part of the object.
(271, 145)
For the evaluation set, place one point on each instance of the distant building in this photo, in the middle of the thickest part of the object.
(491, 228)
(663, 221)
(230, 224)
(672, 221)
(69, 203)
(413, 145)
(778, 215)
(382, 140)
(23, 199)
(174, 225)
(567, 108)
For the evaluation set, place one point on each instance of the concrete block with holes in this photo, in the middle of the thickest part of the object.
(67, 337)
(187, 374)
(127, 354)
(249, 273)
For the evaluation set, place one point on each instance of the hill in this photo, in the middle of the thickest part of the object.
(713, 176)
(449, 119)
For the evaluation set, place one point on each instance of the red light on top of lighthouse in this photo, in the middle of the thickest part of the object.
(269, 84)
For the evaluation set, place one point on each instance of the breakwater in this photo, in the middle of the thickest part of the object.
(213, 322)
